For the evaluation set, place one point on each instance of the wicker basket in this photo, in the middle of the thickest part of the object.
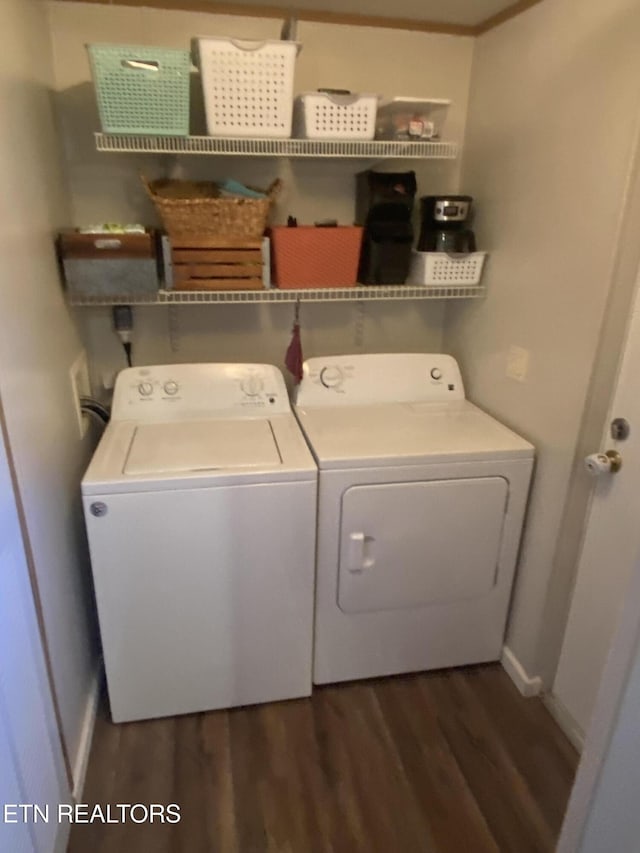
(196, 209)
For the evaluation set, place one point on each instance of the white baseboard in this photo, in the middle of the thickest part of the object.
(526, 684)
(564, 719)
(84, 748)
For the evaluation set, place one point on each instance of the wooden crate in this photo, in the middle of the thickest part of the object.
(216, 263)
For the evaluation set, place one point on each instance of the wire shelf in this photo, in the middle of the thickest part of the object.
(377, 293)
(377, 150)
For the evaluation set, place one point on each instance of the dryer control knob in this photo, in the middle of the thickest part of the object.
(331, 377)
(145, 389)
(436, 373)
(252, 385)
(171, 388)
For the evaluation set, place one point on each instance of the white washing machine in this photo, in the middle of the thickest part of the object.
(420, 508)
(200, 506)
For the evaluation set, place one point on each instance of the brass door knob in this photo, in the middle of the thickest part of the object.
(609, 462)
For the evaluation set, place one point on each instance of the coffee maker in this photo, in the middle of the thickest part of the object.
(445, 221)
(384, 206)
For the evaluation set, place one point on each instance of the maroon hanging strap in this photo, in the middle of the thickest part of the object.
(293, 358)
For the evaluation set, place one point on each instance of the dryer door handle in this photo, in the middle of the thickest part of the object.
(359, 555)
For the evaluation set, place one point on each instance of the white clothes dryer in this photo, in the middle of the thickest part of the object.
(420, 508)
(200, 507)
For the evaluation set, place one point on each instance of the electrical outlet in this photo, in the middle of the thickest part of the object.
(80, 387)
(517, 363)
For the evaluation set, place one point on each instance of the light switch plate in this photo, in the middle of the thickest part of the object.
(80, 387)
(517, 363)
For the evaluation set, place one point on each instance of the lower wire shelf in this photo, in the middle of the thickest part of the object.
(365, 293)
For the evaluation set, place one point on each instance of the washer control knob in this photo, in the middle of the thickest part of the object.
(436, 373)
(145, 389)
(171, 388)
(252, 385)
(331, 377)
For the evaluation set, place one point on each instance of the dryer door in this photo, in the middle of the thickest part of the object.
(412, 544)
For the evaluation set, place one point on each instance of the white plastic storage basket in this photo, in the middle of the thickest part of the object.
(324, 115)
(439, 269)
(247, 86)
(141, 89)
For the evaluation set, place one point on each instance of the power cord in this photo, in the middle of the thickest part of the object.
(89, 406)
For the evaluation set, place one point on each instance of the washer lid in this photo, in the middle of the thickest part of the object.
(407, 434)
(198, 453)
(208, 445)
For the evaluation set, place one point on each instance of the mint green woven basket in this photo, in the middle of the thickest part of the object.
(141, 89)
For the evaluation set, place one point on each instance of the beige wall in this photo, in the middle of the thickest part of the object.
(549, 144)
(38, 345)
(106, 186)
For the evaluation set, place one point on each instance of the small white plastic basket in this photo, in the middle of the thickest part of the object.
(324, 115)
(247, 86)
(439, 269)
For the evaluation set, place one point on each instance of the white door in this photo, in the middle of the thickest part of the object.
(31, 762)
(610, 546)
(412, 544)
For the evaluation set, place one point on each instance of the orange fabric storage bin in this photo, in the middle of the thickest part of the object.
(309, 256)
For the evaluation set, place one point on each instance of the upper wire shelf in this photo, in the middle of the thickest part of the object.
(378, 150)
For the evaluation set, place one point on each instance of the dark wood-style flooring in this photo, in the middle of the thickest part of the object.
(449, 762)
